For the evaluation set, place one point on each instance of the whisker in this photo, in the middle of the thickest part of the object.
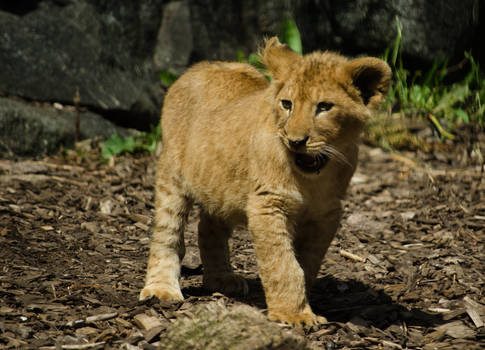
(334, 153)
(317, 144)
(318, 149)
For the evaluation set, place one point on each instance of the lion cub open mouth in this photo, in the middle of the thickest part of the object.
(309, 163)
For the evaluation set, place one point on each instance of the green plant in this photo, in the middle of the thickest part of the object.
(476, 81)
(144, 141)
(167, 77)
(428, 96)
(289, 34)
(253, 58)
(389, 133)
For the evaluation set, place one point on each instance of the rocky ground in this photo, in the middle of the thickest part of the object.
(406, 271)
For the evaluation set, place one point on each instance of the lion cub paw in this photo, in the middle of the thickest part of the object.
(305, 319)
(162, 291)
(227, 283)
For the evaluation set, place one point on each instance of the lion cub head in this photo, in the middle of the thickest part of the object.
(321, 101)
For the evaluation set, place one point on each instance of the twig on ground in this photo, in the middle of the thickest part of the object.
(352, 256)
(473, 310)
(90, 319)
(74, 346)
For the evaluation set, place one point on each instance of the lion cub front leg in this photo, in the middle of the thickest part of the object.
(214, 253)
(167, 247)
(281, 275)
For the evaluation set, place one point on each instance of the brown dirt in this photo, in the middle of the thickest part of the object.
(74, 236)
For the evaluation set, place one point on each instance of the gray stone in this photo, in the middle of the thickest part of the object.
(103, 50)
(220, 28)
(430, 29)
(240, 327)
(27, 130)
(175, 39)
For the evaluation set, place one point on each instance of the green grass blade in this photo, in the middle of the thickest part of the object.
(444, 133)
(462, 115)
(397, 42)
(167, 77)
(291, 35)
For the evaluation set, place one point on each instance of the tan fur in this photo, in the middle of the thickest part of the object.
(227, 145)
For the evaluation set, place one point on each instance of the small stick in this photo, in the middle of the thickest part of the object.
(391, 344)
(54, 290)
(472, 307)
(101, 317)
(74, 346)
(77, 131)
(90, 319)
(69, 181)
(406, 161)
(349, 255)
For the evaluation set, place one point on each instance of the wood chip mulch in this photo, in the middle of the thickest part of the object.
(406, 271)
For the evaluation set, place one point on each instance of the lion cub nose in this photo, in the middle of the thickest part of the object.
(295, 144)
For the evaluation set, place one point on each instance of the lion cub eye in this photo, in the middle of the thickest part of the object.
(286, 104)
(324, 107)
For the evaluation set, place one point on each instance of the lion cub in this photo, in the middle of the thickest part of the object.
(275, 156)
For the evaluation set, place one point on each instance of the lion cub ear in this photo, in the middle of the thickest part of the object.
(372, 77)
(278, 58)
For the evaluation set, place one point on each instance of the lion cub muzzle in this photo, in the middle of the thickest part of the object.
(310, 163)
(305, 161)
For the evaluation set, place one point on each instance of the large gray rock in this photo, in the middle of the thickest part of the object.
(430, 29)
(241, 327)
(221, 27)
(28, 130)
(175, 39)
(102, 48)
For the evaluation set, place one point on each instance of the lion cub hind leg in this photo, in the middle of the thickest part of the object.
(214, 253)
(167, 247)
(312, 242)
